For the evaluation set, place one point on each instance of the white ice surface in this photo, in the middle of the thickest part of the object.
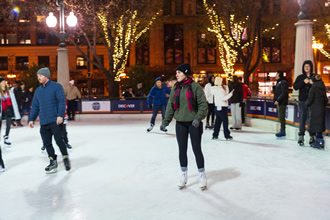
(119, 171)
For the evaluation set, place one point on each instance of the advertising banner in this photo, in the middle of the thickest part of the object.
(271, 111)
(126, 106)
(255, 109)
(96, 106)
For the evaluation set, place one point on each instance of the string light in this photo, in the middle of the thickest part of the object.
(325, 53)
(123, 40)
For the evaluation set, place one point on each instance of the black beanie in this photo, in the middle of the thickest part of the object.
(2, 79)
(185, 68)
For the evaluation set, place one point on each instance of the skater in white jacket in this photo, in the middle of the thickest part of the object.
(210, 103)
(221, 95)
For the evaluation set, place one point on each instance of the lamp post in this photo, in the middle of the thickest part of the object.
(62, 52)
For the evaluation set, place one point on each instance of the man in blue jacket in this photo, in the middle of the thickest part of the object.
(49, 103)
(157, 101)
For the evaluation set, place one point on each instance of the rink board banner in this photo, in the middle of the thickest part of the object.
(126, 106)
(96, 106)
(327, 118)
(145, 107)
(255, 109)
(271, 110)
(290, 113)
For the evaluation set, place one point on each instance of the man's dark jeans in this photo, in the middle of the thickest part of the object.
(155, 110)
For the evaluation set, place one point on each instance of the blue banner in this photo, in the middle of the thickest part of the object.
(271, 110)
(126, 106)
(255, 108)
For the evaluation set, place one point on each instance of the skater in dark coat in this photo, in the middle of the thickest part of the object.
(187, 104)
(281, 97)
(303, 83)
(236, 103)
(317, 100)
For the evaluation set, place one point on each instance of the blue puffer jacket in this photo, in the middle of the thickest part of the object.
(159, 95)
(48, 102)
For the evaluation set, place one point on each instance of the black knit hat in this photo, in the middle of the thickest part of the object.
(185, 68)
(2, 79)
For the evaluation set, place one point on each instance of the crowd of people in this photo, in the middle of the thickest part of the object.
(186, 102)
(54, 106)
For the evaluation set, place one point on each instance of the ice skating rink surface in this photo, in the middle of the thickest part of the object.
(119, 171)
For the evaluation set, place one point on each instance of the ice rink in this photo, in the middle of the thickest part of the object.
(119, 171)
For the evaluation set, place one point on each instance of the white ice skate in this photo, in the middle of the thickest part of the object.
(150, 128)
(203, 181)
(6, 140)
(183, 180)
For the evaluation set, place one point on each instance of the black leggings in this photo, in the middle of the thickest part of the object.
(182, 131)
(1, 161)
(8, 123)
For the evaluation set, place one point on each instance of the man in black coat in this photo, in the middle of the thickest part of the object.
(281, 96)
(303, 83)
(317, 99)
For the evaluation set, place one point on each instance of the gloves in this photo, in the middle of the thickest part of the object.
(162, 127)
(150, 106)
(195, 123)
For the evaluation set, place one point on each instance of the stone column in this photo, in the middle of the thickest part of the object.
(303, 50)
(63, 75)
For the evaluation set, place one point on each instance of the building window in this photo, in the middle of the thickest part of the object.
(3, 63)
(25, 38)
(271, 50)
(200, 7)
(52, 39)
(11, 38)
(43, 61)
(2, 39)
(276, 6)
(41, 38)
(142, 50)
(179, 7)
(22, 63)
(167, 7)
(81, 62)
(206, 49)
(102, 61)
(173, 43)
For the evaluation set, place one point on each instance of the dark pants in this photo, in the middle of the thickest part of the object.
(281, 115)
(71, 108)
(182, 131)
(24, 111)
(1, 161)
(303, 117)
(210, 112)
(155, 110)
(221, 117)
(243, 112)
(8, 123)
(47, 132)
(65, 134)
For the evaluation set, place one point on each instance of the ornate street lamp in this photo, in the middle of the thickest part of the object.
(62, 53)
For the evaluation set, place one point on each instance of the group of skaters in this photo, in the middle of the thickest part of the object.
(189, 104)
(311, 106)
(50, 102)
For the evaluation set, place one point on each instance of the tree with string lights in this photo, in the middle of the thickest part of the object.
(237, 25)
(114, 24)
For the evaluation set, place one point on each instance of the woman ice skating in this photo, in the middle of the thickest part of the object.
(187, 104)
(317, 100)
(210, 103)
(9, 109)
(221, 95)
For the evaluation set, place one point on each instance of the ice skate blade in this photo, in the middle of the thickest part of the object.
(203, 188)
(182, 187)
(284, 137)
(51, 171)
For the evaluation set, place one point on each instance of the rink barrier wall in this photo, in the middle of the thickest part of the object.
(254, 108)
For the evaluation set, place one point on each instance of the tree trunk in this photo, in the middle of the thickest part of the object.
(113, 88)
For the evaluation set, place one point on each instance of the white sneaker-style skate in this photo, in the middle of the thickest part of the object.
(183, 180)
(6, 140)
(150, 128)
(203, 181)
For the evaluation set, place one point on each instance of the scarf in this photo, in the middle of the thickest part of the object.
(189, 95)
